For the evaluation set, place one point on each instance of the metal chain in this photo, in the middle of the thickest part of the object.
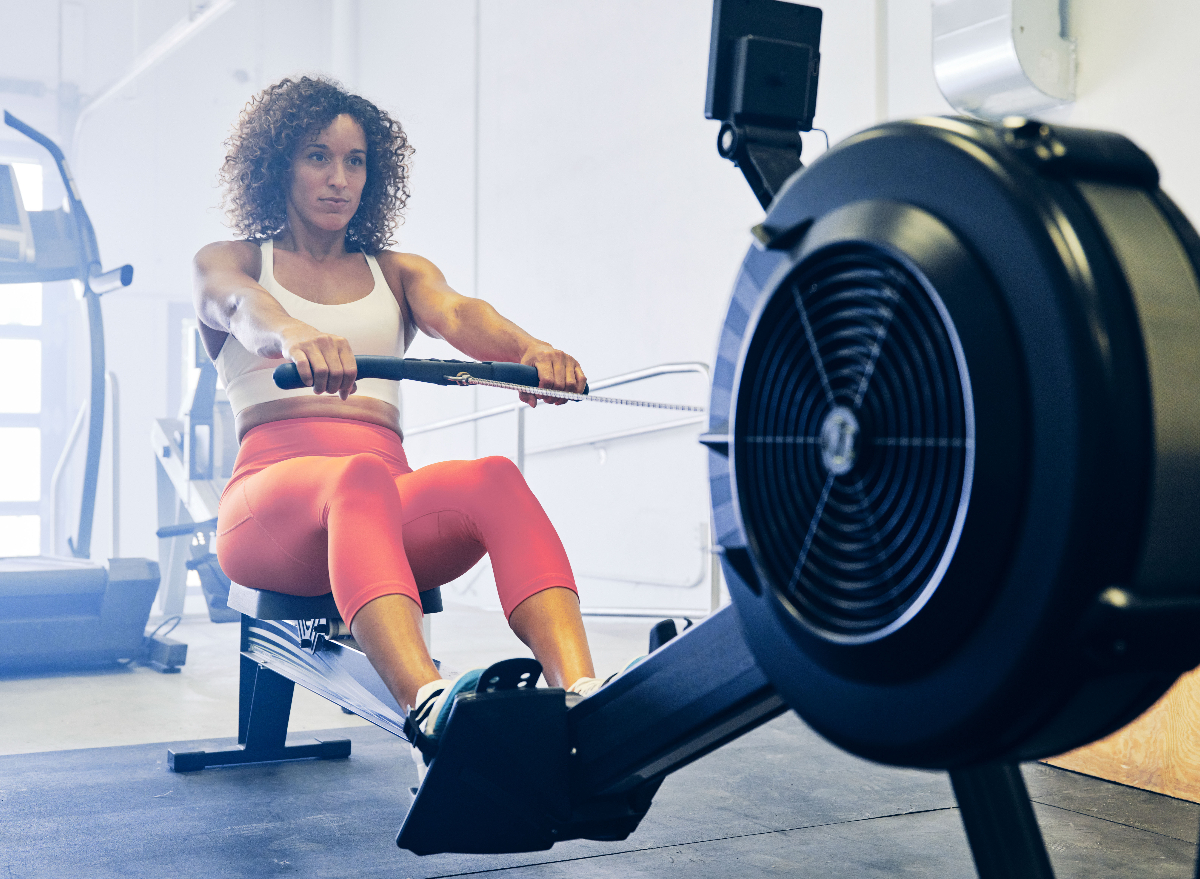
(464, 379)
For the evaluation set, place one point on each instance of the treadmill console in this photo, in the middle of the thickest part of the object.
(16, 236)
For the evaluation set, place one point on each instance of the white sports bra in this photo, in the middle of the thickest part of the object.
(372, 325)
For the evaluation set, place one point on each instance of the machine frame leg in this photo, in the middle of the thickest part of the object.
(264, 707)
(1002, 830)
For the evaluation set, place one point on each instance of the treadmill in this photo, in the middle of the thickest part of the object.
(68, 611)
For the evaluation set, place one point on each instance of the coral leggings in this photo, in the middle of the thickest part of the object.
(330, 504)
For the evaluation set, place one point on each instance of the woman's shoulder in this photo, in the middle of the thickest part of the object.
(401, 261)
(245, 256)
(401, 269)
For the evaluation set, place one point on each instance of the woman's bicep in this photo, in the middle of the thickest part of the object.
(434, 305)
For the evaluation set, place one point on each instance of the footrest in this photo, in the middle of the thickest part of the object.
(191, 761)
(499, 780)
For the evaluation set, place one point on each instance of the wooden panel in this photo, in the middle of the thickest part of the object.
(1160, 751)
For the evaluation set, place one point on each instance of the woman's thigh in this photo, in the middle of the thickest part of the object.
(441, 538)
(313, 524)
(271, 530)
(455, 511)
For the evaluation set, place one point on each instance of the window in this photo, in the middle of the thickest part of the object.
(21, 399)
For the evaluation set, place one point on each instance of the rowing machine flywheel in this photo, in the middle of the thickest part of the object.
(955, 415)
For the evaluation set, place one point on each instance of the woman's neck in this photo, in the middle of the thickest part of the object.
(320, 244)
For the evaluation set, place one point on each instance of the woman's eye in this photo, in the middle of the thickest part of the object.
(356, 160)
(316, 157)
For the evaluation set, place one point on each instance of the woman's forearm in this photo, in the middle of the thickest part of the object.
(479, 331)
(261, 324)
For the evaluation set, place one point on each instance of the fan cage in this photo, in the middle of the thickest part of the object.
(854, 442)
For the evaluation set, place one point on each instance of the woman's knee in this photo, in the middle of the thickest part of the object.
(498, 473)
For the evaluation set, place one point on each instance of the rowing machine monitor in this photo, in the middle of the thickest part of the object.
(763, 65)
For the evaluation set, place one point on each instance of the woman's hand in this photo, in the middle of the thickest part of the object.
(556, 369)
(324, 361)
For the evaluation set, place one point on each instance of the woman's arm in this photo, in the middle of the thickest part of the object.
(228, 299)
(474, 327)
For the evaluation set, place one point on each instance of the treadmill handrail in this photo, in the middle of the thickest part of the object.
(88, 265)
(89, 251)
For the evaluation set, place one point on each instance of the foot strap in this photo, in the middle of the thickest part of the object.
(424, 743)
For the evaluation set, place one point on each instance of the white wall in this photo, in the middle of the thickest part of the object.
(146, 161)
(606, 224)
(564, 171)
(1136, 75)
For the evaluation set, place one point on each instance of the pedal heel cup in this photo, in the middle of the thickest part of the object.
(509, 674)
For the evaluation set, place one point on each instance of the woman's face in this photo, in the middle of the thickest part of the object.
(328, 174)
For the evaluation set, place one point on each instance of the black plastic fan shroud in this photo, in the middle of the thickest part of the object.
(946, 416)
(855, 441)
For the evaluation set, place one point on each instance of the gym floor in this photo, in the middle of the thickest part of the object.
(84, 791)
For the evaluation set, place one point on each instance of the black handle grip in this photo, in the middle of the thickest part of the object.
(287, 376)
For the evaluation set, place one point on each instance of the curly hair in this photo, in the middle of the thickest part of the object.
(276, 122)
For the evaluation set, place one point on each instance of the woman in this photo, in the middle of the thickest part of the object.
(322, 498)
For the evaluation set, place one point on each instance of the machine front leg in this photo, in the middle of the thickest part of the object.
(1002, 830)
(265, 705)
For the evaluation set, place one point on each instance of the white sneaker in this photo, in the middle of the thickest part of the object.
(587, 686)
(425, 723)
(429, 702)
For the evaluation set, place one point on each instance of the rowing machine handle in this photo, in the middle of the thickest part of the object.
(287, 376)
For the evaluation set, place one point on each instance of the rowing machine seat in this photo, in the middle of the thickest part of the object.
(263, 604)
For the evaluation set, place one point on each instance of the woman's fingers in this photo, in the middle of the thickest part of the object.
(303, 367)
(349, 371)
(556, 369)
(327, 372)
(560, 371)
(561, 376)
(550, 375)
(325, 362)
(577, 381)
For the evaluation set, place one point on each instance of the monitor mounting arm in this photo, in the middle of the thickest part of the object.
(767, 156)
(762, 84)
